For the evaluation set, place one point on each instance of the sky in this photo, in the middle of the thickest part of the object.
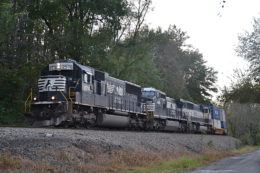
(213, 30)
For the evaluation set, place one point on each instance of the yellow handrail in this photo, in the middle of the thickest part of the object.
(65, 99)
(146, 110)
(70, 92)
(149, 114)
(25, 103)
(70, 97)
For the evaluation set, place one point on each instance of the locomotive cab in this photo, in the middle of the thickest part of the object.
(206, 114)
(152, 96)
(56, 90)
(56, 80)
(71, 94)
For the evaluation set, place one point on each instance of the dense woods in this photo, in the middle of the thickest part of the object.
(110, 35)
(242, 99)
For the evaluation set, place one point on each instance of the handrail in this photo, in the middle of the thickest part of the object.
(25, 103)
(65, 99)
(70, 91)
(149, 114)
(70, 97)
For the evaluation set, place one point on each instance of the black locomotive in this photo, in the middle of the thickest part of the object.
(70, 94)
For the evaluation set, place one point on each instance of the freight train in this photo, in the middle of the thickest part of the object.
(71, 94)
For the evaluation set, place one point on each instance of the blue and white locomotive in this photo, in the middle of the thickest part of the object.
(70, 94)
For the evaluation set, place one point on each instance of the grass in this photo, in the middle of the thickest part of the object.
(184, 162)
(74, 161)
(188, 161)
(171, 165)
(20, 165)
(245, 149)
(6, 161)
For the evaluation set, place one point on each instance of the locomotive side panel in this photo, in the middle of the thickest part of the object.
(171, 109)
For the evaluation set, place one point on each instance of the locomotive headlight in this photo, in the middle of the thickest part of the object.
(52, 97)
(58, 65)
(34, 98)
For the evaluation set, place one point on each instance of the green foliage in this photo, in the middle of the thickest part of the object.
(183, 71)
(11, 117)
(11, 97)
(157, 58)
(247, 87)
(77, 29)
(7, 22)
(243, 121)
(246, 92)
(243, 97)
(132, 60)
(249, 48)
(200, 79)
(258, 138)
(170, 59)
(10, 82)
(243, 90)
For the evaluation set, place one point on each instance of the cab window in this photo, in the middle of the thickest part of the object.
(87, 78)
(148, 93)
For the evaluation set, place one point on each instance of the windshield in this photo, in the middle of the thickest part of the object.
(148, 93)
(69, 74)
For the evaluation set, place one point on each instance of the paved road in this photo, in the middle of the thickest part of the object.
(245, 163)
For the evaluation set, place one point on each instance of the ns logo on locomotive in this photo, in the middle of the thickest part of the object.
(70, 94)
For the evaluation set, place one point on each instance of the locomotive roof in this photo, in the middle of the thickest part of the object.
(152, 89)
(82, 67)
(210, 106)
(169, 99)
(87, 69)
(90, 70)
(133, 84)
(186, 101)
(108, 77)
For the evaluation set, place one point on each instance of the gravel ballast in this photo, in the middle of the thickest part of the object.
(35, 143)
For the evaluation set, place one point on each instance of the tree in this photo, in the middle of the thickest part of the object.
(78, 29)
(243, 121)
(160, 59)
(7, 30)
(200, 79)
(183, 70)
(247, 87)
(242, 99)
(132, 60)
(169, 59)
(11, 97)
(249, 48)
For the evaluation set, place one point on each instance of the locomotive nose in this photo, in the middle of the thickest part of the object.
(146, 99)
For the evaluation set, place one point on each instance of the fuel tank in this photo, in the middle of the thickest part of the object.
(108, 120)
(172, 125)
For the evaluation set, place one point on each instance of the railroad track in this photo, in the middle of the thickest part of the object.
(100, 129)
